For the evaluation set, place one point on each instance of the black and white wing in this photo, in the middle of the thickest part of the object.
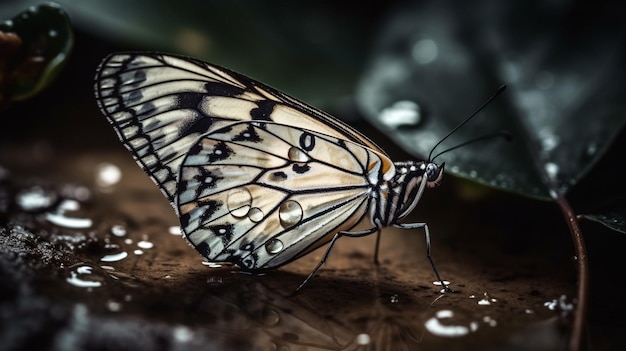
(160, 104)
(262, 194)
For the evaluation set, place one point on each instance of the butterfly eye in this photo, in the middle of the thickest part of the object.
(434, 173)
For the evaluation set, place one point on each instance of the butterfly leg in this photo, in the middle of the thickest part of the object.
(430, 259)
(330, 246)
(376, 262)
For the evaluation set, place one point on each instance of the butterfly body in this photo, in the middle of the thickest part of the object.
(256, 177)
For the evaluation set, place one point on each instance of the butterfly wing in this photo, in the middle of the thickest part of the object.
(261, 194)
(160, 104)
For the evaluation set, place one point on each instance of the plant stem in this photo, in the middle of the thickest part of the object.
(582, 268)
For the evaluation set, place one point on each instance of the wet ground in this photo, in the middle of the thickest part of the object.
(92, 258)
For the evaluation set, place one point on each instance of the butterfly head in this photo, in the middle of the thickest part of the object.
(433, 173)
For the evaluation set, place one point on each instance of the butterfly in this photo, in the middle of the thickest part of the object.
(257, 178)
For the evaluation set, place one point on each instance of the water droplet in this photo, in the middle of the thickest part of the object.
(138, 252)
(490, 321)
(256, 214)
(549, 140)
(114, 257)
(128, 241)
(118, 230)
(485, 301)
(145, 244)
(182, 334)
(425, 51)
(107, 174)
(290, 213)
(68, 222)
(53, 33)
(175, 230)
(591, 149)
(239, 202)
(552, 169)
(394, 298)
(561, 305)
(114, 306)
(274, 246)
(297, 155)
(435, 326)
(35, 199)
(529, 311)
(363, 339)
(77, 278)
(211, 264)
(403, 112)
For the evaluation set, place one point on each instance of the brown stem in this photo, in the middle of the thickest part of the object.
(576, 338)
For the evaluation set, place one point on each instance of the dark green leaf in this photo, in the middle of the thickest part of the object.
(615, 220)
(564, 104)
(38, 43)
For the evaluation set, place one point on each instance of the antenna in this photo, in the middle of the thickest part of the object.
(501, 133)
(498, 92)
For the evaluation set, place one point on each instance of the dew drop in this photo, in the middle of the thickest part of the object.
(114, 306)
(114, 257)
(403, 112)
(118, 230)
(35, 199)
(290, 213)
(438, 283)
(297, 155)
(182, 334)
(274, 246)
(490, 321)
(145, 244)
(552, 169)
(363, 339)
(77, 278)
(211, 264)
(394, 298)
(436, 326)
(256, 214)
(425, 51)
(68, 222)
(84, 270)
(175, 230)
(108, 174)
(239, 202)
(591, 149)
(486, 300)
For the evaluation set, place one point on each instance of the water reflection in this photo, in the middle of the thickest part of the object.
(283, 322)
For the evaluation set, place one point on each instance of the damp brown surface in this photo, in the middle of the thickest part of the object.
(125, 281)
